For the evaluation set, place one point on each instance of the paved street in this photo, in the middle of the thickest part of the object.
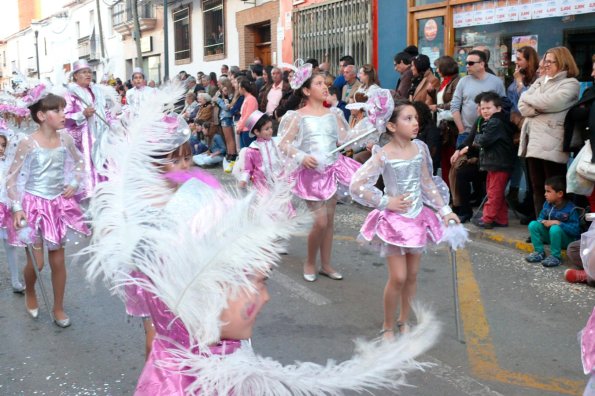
(520, 324)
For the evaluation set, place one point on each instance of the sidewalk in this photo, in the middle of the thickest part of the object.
(514, 236)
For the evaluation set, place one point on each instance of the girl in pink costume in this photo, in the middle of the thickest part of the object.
(44, 177)
(260, 163)
(587, 335)
(7, 145)
(308, 138)
(203, 292)
(404, 218)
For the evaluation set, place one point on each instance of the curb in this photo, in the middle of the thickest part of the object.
(499, 238)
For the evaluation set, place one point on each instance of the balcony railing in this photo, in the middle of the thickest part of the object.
(87, 48)
(122, 15)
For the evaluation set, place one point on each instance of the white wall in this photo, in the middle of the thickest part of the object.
(232, 50)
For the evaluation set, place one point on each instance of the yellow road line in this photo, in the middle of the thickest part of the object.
(480, 348)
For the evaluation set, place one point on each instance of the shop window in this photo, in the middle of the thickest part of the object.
(182, 49)
(214, 27)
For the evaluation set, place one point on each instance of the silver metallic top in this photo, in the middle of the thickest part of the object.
(401, 176)
(46, 172)
(43, 172)
(303, 134)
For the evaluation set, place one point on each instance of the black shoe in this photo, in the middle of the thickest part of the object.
(463, 218)
(481, 224)
(499, 225)
(528, 240)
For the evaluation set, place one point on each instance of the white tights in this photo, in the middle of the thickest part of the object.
(11, 259)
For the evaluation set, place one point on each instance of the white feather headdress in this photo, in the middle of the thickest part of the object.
(195, 263)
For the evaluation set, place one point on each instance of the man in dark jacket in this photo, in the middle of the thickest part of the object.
(496, 156)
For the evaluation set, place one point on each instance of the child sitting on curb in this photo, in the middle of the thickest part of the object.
(558, 224)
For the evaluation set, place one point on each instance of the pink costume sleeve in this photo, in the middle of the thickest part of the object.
(249, 165)
(135, 299)
(75, 120)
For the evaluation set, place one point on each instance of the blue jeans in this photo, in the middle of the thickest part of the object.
(462, 137)
(245, 139)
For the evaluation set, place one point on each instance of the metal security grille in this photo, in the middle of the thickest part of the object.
(328, 31)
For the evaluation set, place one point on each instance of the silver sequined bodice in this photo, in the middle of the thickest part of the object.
(404, 176)
(319, 135)
(46, 169)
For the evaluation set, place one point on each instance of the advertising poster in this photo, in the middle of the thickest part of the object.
(489, 12)
(478, 15)
(525, 10)
(513, 11)
(538, 10)
(522, 41)
(579, 7)
(457, 17)
(552, 8)
(501, 12)
(468, 15)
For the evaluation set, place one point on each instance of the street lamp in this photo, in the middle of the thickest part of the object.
(35, 27)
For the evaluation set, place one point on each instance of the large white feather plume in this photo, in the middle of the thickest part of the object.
(121, 207)
(375, 365)
(194, 260)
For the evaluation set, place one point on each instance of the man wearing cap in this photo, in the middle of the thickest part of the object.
(136, 96)
(87, 119)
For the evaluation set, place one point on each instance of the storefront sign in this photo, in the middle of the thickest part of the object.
(490, 12)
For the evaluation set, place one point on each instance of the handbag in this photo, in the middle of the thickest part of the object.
(575, 183)
(585, 167)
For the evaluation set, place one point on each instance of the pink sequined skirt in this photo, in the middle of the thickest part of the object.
(135, 299)
(49, 219)
(5, 219)
(388, 232)
(313, 185)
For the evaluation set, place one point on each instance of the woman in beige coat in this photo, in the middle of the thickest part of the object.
(544, 106)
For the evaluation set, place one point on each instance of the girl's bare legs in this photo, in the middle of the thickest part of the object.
(397, 275)
(230, 140)
(326, 247)
(149, 335)
(409, 288)
(30, 276)
(56, 259)
(316, 235)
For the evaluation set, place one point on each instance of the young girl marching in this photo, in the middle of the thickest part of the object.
(5, 218)
(42, 181)
(404, 218)
(181, 253)
(260, 163)
(308, 137)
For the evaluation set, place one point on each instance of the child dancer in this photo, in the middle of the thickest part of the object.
(400, 225)
(308, 136)
(261, 162)
(185, 258)
(43, 178)
(5, 217)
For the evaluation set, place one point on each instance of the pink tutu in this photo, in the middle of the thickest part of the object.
(313, 185)
(50, 220)
(389, 232)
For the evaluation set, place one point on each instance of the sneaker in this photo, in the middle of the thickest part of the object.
(535, 257)
(229, 167)
(551, 261)
(575, 276)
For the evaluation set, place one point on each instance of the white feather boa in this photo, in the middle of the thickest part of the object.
(375, 365)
